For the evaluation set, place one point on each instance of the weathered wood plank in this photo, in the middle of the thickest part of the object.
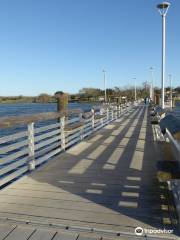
(70, 143)
(5, 230)
(6, 122)
(66, 236)
(42, 234)
(13, 175)
(47, 156)
(13, 166)
(48, 148)
(84, 237)
(74, 127)
(69, 138)
(47, 142)
(48, 127)
(13, 146)
(20, 233)
(13, 156)
(47, 135)
(73, 120)
(13, 137)
(76, 215)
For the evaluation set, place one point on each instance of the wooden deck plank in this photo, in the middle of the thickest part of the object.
(66, 236)
(42, 234)
(79, 205)
(81, 237)
(76, 215)
(5, 230)
(20, 233)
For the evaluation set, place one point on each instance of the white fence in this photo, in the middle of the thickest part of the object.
(23, 151)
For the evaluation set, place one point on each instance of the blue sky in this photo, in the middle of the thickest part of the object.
(50, 45)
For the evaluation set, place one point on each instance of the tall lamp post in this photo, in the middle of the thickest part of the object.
(163, 9)
(105, 95)
(171, 98)
(152, 84)
(135, 92)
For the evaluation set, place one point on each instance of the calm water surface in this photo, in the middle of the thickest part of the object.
(32, 108)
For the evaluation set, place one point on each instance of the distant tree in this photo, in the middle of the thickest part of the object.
(90, 93)
(59, 93)
(177, 89)
(43, 98)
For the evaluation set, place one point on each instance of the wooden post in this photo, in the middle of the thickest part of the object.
(157, 99)
(62, 102)
(63, 139)
(31, 158)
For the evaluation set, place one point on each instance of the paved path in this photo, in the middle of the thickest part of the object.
(107, 182)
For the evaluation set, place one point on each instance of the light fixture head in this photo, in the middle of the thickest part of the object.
(163, 7)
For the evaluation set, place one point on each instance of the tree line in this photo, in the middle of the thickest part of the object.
(90, 94)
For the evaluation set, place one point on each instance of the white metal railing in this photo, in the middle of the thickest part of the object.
(25, 150)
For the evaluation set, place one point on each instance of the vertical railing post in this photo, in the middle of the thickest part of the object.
(31, 149)
(92, 110)
(116, 109)
(82, 132)
(82, 127)
(110, 116)
(101, 119)
(80, 117)
(119, 110)
(63, 137)
(107, 115)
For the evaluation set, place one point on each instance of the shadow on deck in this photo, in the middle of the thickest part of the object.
(108, 181)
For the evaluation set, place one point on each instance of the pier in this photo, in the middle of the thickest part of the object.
(92, 177)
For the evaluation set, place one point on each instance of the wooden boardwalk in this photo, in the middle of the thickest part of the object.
(107, 182)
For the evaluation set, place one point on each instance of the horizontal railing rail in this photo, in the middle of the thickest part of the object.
(34, 144)
(175, 145)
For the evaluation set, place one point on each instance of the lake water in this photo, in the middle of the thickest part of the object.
(176, 110)
(33, 108)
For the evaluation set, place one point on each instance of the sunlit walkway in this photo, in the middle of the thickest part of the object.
(108, 181)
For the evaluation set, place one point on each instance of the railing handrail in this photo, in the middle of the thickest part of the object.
(12, 121)
(7, 122)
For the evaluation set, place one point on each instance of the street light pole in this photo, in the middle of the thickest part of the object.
(163, 9)
(152, 83)
(105, 95)
(135, 93)
(171, 100)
